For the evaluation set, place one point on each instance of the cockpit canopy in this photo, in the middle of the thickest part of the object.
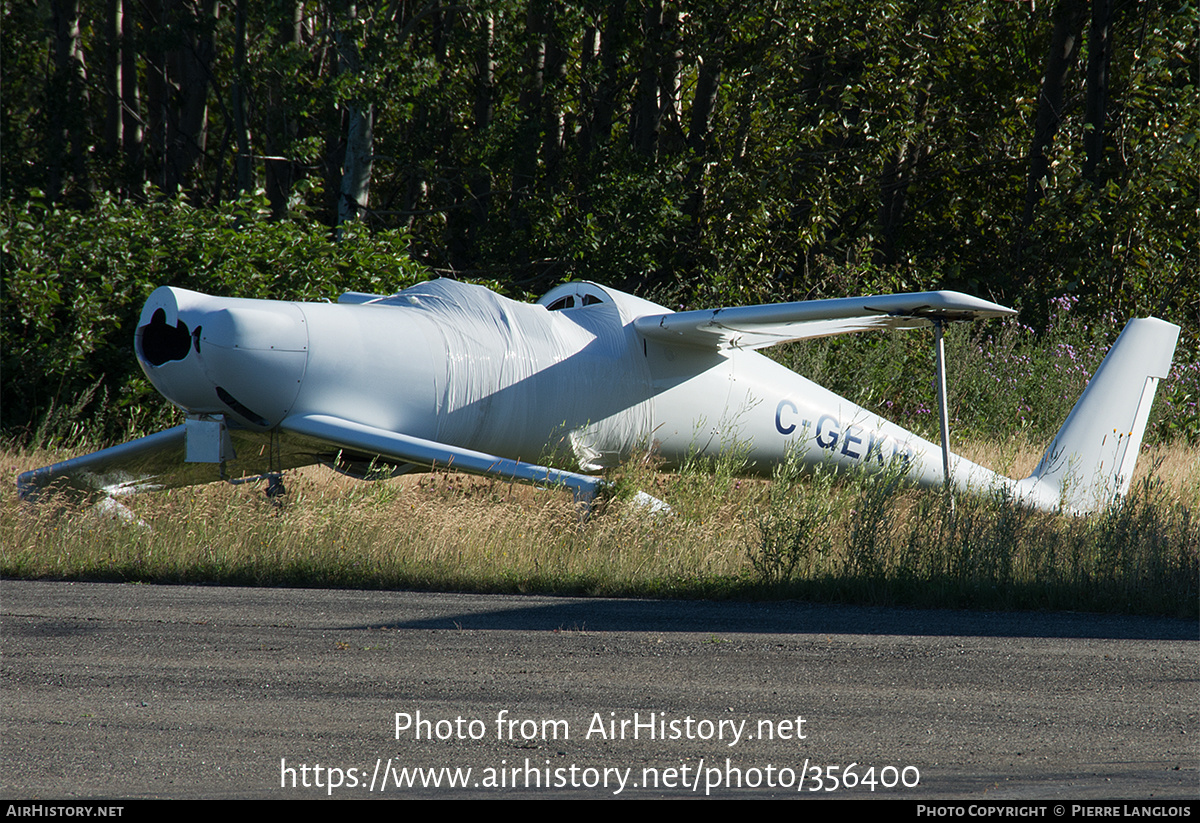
(573, 296)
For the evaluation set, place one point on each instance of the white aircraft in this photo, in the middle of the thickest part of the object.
(447, 374)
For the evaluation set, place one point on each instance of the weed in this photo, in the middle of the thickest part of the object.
(820, 536)
(794, 524)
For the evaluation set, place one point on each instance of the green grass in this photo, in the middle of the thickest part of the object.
(821, 538)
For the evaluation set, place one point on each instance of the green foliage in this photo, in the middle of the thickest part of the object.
(74, 285)
(795, 524)
(1008, 379)
(1005, 379)
(1177, 409)
(1129, 240)
(598, 244)
(847, 148)
(511, 142)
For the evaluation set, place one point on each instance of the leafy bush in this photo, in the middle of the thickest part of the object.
(74, 285)
(1004, 378)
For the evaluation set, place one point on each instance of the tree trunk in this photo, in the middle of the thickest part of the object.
(158, 92)
(132, 127)
(895, 178)
(1099, 59)
(669, 127)
(281, 130)
(1064, 51)
(67, 98)
(245, 179)
(704, 103)
(597, 128)
(485, 91)
(354, 192)
(113, 120)
(553, 119)
(190, 69)
(644, 128)
(528, 141)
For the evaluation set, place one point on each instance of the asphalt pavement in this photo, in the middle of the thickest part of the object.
(138, 691)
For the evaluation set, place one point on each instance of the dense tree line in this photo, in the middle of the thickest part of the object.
(694, 151)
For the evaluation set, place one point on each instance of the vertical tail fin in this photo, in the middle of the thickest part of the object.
(1090, 461)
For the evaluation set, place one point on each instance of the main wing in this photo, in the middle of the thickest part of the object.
(202, 450)
(185, 456)
(428, 454)
(757, 327)
(145, 464)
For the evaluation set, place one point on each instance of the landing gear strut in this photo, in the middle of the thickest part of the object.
(275, 488)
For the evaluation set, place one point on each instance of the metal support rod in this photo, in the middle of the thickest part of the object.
(939, 348)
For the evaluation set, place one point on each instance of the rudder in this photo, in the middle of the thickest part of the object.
(1090, 461)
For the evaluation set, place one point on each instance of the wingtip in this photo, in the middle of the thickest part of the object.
(26, 488)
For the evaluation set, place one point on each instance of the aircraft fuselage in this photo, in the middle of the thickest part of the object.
(458, 364)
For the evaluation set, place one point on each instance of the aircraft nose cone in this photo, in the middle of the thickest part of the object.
(214, 355)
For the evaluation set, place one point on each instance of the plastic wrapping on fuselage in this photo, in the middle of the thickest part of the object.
(514, 372)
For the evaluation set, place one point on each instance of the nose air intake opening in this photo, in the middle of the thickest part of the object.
(159, 343)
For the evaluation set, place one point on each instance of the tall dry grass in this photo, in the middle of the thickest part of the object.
(827, 538)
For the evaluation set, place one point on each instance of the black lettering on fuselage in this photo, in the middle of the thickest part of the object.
(832, 435)
(829, 428)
